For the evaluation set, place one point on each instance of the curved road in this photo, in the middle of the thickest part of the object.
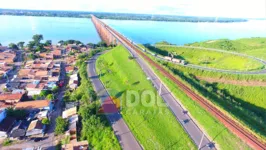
(121, 130)
(262, 71)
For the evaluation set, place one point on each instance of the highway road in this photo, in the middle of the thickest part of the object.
(121, 130)
(174, 105)
(182, 116)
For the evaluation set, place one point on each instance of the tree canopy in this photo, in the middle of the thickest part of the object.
(45, 121)
(21, 44)
(61, 125)
(37, 38)
(13, 46)
(48, 43)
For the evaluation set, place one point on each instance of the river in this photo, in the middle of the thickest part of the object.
(22, 28)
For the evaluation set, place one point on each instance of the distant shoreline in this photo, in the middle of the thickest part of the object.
(118, 16)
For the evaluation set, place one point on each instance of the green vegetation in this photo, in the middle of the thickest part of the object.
(220, 75)
(13, 46)
(223, 138)
(61, 125)
(7, 142)
(255, 95)
(155, 127)
(16, 113)
(245, 104)
(251, 46)
(65, 140)
(211, 59)
(45, 121)
(246, 113)
(95, 128)
(20, 44)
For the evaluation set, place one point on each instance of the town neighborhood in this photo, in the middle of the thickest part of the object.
(32, 91)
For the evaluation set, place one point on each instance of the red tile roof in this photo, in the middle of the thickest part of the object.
(4, 97)
(33, 104)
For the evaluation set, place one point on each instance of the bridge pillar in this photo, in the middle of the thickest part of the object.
(104, 33)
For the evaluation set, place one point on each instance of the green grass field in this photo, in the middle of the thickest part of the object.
(217, 131)
(155, 127)
(251, 46)
(213, 59)
(254, 95)
(220, 75)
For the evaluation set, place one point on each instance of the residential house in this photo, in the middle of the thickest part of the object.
(11, 98)
(69, 105)
(2, 114)
(8, 57)
(47, 56)
(57, 53)
(69, 112)
(42, 114)
(35, 105)
(36, 128)
(35, 88)
(69, 69)
(19, 129)
(73, 81)
(6, 126)
(77, 145)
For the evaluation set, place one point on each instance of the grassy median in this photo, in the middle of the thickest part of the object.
(155, 127)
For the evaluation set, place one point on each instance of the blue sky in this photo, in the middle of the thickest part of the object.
(217, 8)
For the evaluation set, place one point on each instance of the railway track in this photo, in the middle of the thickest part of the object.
(232, 125)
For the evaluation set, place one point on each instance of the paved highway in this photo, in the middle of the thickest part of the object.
(121, 130)
(174, 105)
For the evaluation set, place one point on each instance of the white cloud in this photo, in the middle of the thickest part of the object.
(223, 8)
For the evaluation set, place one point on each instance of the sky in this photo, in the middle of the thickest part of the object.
(215, 8)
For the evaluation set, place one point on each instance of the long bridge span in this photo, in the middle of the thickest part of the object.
(110, 36)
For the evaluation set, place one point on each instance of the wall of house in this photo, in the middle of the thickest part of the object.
(2, 115)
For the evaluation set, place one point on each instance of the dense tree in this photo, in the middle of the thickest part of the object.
(102, 44)
(31, 45)
(48, 43)
(31, 56)
(61, 42)
(78, 42)
(21, 44)
(61, 125)
(16, 113)
(50, 97)
(37, 39)
(92, 45)
(45, 121)
(44, 93)
(0, 44)
(39, 48)
(13, 46)
(69, 42)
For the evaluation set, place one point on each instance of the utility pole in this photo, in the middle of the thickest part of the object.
(201, 141)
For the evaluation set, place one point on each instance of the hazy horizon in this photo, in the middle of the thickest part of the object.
(206, 8)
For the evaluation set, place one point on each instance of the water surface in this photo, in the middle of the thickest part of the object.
(22, 28)
(185, 32)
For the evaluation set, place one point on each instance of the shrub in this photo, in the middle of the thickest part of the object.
(61, 125)
(45, 121)
(7, 142)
